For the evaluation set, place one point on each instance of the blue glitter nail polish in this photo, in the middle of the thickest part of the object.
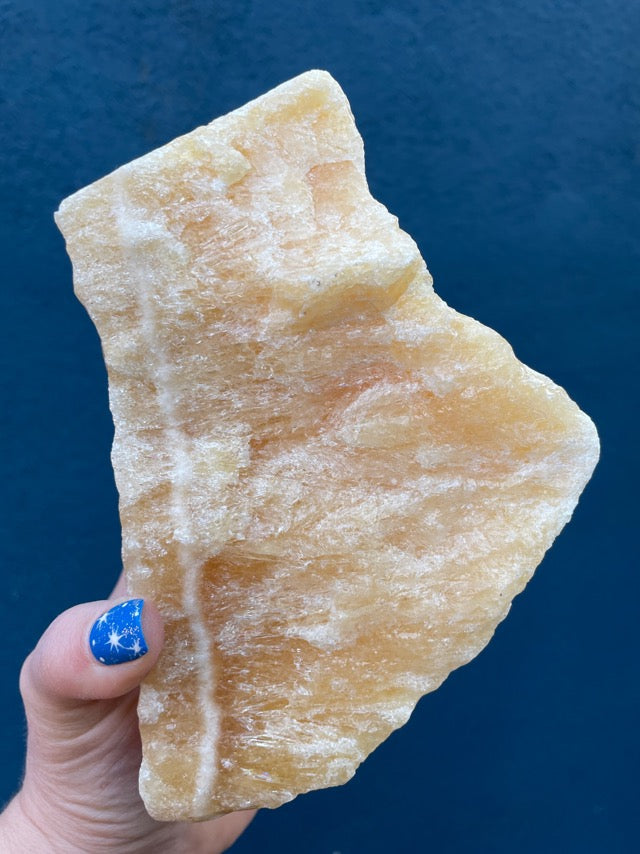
(117, 635)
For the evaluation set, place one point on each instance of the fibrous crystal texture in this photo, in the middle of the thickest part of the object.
(331, 483)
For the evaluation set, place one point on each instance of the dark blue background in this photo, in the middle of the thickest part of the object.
(506, 137)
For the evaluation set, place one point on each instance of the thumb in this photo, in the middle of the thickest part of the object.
(90, 656)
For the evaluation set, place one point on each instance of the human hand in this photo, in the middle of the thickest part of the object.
(80, 790)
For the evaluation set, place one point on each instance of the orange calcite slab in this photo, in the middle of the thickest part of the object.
(332, 484)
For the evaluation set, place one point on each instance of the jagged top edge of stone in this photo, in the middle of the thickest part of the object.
(287, 92)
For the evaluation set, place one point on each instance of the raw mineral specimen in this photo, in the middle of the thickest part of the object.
(332, 484)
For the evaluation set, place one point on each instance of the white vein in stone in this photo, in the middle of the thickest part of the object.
(143, 282)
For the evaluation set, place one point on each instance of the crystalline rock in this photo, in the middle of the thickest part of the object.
(331, 483)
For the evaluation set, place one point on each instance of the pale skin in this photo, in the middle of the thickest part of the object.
(80, 788)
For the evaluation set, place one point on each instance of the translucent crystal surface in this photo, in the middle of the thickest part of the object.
(331, 483)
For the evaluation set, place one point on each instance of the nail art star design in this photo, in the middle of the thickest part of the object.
(117, 635)
(114, 640)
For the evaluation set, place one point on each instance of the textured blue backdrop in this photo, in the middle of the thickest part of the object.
(506, 137)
